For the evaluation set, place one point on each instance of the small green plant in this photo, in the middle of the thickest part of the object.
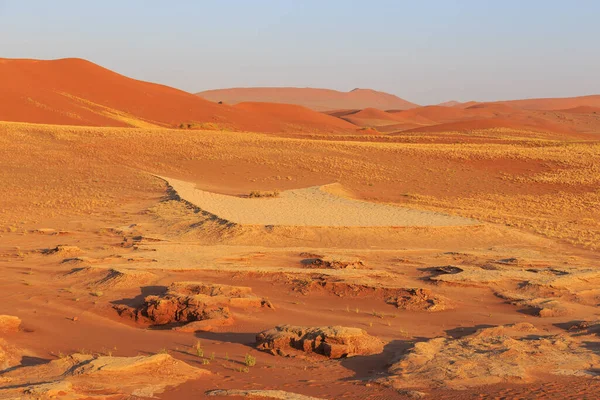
(164, 350)
(212, 355)
(250, 361)
(205, 361)
(199, 351)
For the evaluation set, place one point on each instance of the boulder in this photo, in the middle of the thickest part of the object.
(330, 341)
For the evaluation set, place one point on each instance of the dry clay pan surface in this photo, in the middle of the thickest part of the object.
(313, 206)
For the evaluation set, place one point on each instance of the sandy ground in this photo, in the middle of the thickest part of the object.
(94, 229)
(312, 206)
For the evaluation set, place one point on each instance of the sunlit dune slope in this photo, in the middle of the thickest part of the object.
(489, 123)
(555, 103)
(285, 117)
(78, 92)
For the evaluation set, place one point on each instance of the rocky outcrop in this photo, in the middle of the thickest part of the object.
(544, 292)
(63, 250)
(511, 353)
(410, 299)
(82, 376)
(335, 262)
(538, 306)
(417, 299)
(330, 341)
(189, 302)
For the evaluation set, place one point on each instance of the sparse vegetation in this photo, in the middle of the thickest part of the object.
(259, 194)
(249, 360)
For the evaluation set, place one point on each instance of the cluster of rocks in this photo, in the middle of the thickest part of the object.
(202, 306)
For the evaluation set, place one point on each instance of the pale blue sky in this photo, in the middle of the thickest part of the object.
(423, 51)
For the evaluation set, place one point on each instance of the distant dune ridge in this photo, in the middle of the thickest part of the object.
(316, 99)
(77, 92)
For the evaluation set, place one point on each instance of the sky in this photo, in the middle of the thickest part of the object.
(424, 51)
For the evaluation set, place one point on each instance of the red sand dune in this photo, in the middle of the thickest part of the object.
(457, 104)
(278, 116)
(490, 123)
(555, 103)
(316, 99)
(371, 117)
(435, 114)
(582, 110)
(78, 92)
(450, 103)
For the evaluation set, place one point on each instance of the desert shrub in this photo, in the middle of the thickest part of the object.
(250, 361)
(258, 193)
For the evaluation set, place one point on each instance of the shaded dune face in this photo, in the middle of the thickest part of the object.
(78, 92)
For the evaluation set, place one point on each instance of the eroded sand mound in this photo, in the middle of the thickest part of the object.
(9, 323)
(309, 207)
(195, 302)
(511, 353)
(9, 355)
(330, 341)
(82, 376)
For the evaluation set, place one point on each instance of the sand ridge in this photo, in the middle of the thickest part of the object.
(316, 99)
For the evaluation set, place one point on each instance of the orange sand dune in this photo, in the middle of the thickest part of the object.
(457, 104)
(450, 103)
(491, 123)
(555, 103)
(582, 110)
(316, 99)
(475, 117)
(371, 117)
(436, 114)
(284, 117)
(78, 92)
